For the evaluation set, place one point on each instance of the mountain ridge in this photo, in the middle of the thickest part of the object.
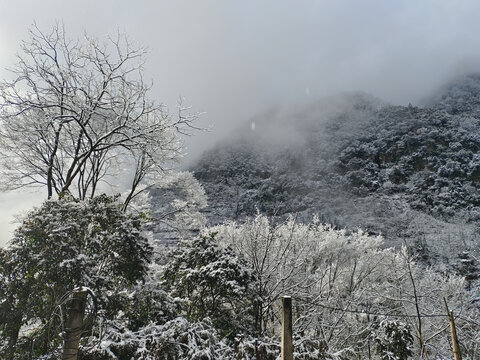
(356, 161)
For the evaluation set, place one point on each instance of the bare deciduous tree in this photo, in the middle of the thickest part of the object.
(77, 111)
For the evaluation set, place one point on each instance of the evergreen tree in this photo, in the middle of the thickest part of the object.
(213, 282)
(61, 246)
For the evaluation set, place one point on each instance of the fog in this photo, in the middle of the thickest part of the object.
(232, 60)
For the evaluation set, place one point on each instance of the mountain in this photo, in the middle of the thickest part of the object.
(409, 173)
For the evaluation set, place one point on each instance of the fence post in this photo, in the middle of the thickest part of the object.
(74, 324)
(287, 331)
(453, 331)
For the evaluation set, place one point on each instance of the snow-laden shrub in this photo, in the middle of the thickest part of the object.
(393, 340)
(177, 339)
(254, 348)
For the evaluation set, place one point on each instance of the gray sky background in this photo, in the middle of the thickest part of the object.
(234, 59)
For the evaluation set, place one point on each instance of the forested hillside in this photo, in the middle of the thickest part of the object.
(409, 173)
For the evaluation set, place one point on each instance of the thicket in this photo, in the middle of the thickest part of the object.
(217, 296)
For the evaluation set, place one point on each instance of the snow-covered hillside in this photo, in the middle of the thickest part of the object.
(409, 173)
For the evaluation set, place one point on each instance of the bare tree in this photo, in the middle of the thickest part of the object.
(77, 111)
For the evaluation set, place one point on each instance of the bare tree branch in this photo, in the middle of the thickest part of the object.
(74, 106)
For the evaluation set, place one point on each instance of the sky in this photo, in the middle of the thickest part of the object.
(234, 59)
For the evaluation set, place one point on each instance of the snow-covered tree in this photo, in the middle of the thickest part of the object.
(213, 282)
(77, 111)
(393, 340)
(64, 244)
(280, 257)
(344, 285)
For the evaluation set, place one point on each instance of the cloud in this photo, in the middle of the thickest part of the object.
(12, 206)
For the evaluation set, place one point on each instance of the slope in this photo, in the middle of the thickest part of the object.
(409, 173)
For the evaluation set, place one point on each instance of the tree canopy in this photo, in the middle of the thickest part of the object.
(77, 111)
(62, 245)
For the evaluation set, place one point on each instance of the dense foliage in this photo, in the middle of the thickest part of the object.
(218, 294)
(351, 295)
(60, 246)
(220, 299)
(361, 147)
(214, 283)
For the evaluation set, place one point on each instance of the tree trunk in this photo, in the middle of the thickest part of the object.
(74, 325)
(12, 336)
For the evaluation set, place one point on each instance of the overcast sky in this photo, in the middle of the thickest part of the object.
(234, 59)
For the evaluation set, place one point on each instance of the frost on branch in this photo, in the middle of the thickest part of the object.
(77, 112)
(344, 284)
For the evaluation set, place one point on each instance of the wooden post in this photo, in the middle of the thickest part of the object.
(74, 325)
(287, 331)
(456, 348)
(453, 330)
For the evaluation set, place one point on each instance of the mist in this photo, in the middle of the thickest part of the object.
(233, 60)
